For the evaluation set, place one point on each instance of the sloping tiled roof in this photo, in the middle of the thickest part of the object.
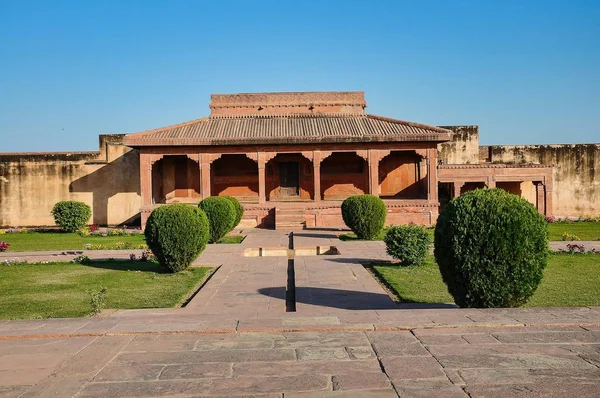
(284, 129)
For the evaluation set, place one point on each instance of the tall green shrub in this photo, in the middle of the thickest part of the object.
(221, 216)
(239, 210)
(71, 215)
(407, 243)
(491, 248)
(176, 234)
(364, 215)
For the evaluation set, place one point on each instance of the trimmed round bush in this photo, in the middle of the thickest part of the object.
(239, 210)
(176, 234)
(491, 248)
(407, 243)
(221, 216)
(71, 215)
(364, 215)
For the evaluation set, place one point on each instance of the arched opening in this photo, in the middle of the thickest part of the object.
(175, 179)
(235, 175)
(471, 186)
(343, 174)
(402, 175)
(289, 177)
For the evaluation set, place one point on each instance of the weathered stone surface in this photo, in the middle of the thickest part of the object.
(129, 373)
(429, 389)
(291, 368)
(360, 352)
(321, 353)
(196, 371)
(249, 385)
(480, 339)
(553, 390)
(329, 339)
(360, 381)
(490, 349)
(549, 337)
(402, 368)
(524, 376)
(442, 340)
(530, 361)
(187, 357)
(387, 393)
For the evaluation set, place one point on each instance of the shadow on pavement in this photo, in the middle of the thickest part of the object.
(346, 299)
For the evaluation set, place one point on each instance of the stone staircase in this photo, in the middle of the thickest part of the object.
(289, 219)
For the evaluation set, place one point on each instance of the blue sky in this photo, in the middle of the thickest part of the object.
(526, 72)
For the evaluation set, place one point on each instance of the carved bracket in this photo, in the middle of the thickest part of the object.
(363, 154)
(252, 156)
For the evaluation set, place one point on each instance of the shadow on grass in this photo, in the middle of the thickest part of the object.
(128, 265)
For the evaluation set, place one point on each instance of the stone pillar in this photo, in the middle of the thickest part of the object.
(432, 191)
(146, 178)
(457, 187)
(491, 182)
(262, 192)
(205, 160)
(317, 175)
(540, 199)
(548, 197)
(374, 172)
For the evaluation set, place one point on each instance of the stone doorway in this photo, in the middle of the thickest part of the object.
(289, 179)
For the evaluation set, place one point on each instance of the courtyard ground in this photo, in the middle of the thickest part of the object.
(346, 339)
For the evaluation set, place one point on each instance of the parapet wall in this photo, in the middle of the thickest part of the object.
(576, 190)
(463, 148)
(108, 180)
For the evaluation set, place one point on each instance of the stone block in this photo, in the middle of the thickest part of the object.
(405, 368)
(321, 353)
(191, 357)
(360, 381)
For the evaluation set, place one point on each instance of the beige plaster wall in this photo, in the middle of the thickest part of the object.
(463, 148)
(576, 190)
(108, 180)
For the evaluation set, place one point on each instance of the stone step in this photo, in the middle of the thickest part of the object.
(290, 217)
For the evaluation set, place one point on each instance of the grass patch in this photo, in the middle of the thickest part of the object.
(232, 239)
(570, 280)
(61, 289)
(584, 230)
(37, 241)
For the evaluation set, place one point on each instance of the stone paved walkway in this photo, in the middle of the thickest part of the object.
(347, 339)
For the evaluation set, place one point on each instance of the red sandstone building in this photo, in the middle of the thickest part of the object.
(292, 158)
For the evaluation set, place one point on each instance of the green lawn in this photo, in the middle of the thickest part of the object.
(37, 241)
(232, 239)
(584, 230)
(569, 281)
(60, 289)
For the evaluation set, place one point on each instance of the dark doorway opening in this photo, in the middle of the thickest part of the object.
(289, 179)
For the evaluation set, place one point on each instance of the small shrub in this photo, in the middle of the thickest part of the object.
(98, 300)
(491, 248)
(221, 215)
(82, 259)
(239, 210)
(4, 246)
(71, 215)
(177, 234)
(364, 215)
(569, 237)
(407, 243)
(551, 219)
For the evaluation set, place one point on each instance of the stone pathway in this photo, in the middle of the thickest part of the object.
(346, 339)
